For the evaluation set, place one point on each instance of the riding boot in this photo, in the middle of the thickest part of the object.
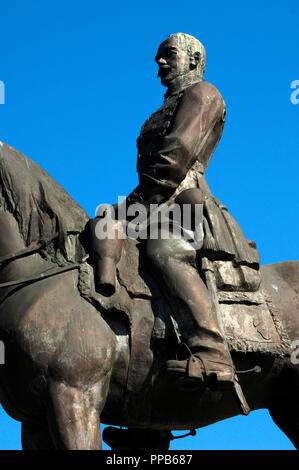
(106, 253)
(209, 359)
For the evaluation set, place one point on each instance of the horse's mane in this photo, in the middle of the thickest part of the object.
(40, 205)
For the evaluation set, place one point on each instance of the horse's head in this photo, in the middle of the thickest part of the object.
(34, 208)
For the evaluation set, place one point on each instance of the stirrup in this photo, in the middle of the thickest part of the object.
(192, 379)
(195, 369)
(220, 378)
(189, 368)
(229, 382)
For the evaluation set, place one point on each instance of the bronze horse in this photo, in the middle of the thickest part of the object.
(66, 362)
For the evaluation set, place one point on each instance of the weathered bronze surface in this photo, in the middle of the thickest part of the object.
(174, 148)
(150, 334)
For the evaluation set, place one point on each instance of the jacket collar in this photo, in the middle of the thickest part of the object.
(181, 83)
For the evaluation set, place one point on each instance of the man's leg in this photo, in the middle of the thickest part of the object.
(174, 261)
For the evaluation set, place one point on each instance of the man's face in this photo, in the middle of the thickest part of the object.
(172, 59)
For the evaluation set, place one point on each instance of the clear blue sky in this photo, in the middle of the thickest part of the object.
(80, 80)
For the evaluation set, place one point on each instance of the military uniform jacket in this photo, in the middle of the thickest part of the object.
(176, 140)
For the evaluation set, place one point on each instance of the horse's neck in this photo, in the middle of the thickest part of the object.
(11, 242)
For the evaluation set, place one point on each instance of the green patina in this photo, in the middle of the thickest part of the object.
(191, 45)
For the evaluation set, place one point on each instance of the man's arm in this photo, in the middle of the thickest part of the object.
(196, 130)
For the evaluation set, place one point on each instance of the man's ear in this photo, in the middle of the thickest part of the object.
(195, 60)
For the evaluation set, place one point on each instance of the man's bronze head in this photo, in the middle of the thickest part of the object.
(179, 55)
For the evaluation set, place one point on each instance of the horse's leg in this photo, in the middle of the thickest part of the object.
(36, 437)
(78, 374)
(74, 415)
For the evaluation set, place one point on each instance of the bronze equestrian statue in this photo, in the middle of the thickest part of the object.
(121, 330)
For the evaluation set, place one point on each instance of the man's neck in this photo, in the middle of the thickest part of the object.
(182, 82)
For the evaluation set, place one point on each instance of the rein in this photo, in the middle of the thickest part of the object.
(27, 251)
(35, 247)
(39, 277)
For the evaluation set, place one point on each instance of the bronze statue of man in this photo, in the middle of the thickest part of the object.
(174, 148)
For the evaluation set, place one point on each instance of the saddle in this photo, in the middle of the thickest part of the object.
(250, 322)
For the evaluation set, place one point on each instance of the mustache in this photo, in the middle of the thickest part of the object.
(162, 67)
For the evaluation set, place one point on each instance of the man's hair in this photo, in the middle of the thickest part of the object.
(192, 45)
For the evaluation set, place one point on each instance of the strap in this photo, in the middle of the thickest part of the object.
(27, 251)
(39, 277)
(212, 287)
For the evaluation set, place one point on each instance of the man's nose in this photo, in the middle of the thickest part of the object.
(161, 61)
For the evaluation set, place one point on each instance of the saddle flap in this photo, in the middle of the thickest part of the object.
(132, 272)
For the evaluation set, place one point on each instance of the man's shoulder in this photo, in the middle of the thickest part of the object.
(205, 92)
